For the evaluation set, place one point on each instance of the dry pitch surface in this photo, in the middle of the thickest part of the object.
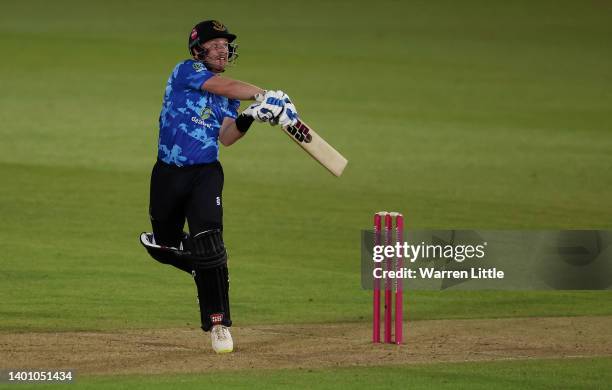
(308, 346)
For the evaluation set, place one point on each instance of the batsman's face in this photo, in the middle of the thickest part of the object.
(217, 52)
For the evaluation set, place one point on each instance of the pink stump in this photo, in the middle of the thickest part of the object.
(399, 293)
(388, 290)
(376, 314)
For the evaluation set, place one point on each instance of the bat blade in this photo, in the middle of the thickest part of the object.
(317, 147)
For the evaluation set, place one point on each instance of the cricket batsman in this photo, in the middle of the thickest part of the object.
(199, 110)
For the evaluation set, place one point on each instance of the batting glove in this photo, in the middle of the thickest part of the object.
(289, 116)
(259, 112)
(271, 107)
(252, 112)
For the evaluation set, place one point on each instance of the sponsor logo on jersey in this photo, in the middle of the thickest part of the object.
(200, 122)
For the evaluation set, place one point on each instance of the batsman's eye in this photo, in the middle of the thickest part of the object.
(217, 47)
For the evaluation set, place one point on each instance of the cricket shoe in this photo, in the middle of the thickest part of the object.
(221, 339)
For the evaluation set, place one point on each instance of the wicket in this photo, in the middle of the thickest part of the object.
(395, 285)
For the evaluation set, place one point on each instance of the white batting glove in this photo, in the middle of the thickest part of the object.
(253, 112)
(289, 116)
(271, 93)
(272, 106)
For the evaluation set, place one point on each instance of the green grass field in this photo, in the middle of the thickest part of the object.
(459, 114)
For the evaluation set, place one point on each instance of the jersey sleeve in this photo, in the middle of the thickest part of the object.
(193, 74)
(233, 105)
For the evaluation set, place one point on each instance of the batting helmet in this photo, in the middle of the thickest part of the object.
(207, 30)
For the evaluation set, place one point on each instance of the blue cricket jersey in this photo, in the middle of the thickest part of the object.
(190, 118)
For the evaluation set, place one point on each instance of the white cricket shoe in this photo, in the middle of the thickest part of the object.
(221, 339)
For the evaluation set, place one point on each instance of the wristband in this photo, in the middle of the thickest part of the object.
(243, 122)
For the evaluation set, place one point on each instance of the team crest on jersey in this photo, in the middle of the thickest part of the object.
(218, 25)
(206, 113)
(198, 67)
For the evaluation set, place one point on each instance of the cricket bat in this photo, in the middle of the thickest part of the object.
(314, 144)
(317, 147)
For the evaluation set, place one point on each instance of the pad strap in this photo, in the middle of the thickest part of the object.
(208, 251)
